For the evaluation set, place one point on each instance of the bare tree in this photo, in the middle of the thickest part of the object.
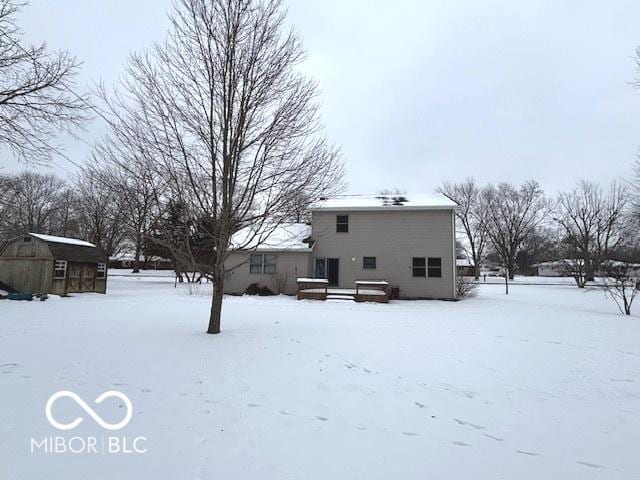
(126, 174)
(100, 212)
(512, 215)
(472, 217)
(621, 282)
(35, 202)
(593, 224)
(36, 99)
(228, 121)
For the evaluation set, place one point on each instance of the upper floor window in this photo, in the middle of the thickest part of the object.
(102, 270)
(419, 266)
(262, 263)
(342, 223)
(435, 267)
(60, 269)
(369, 263)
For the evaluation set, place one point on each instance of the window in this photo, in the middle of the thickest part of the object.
(102, 270)
(419, 266)
(369, 263)
(435, 267)
(255, 264)
(260, 263)
(269, 264)
(321, 268)
(60, 269)
(342, 223)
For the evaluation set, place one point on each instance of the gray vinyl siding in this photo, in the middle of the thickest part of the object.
(393, 237)
(289, 266)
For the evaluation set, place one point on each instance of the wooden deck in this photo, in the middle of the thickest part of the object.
(364, 291)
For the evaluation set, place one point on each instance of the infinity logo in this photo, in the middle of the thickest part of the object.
(89, 410)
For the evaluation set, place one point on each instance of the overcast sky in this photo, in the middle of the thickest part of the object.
(416, 92)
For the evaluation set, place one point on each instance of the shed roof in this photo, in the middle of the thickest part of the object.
(72, 249)
(68, 241)
(386, 202)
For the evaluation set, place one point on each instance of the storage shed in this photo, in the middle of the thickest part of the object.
(36, 263)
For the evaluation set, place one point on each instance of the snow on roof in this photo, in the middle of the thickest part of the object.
(559, 263)
(385, 202)
(68, 241)
(463, 262)
(286, 236)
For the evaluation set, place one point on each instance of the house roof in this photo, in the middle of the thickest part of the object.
(72, 249)
(385, 202)
(284, 237)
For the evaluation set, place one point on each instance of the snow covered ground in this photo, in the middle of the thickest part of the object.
(544, 383)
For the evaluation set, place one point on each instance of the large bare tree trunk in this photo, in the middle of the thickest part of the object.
(216, 307)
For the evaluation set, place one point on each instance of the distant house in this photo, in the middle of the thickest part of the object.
(35, 263)
(126, 258)
(465, 267)
(406, 240)
(555, 268)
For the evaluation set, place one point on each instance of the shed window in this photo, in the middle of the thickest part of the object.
(260, 263)
(60, 269)
(342, 223)
(419, 266)
(102, 270)
(435, 267)
(369, 263)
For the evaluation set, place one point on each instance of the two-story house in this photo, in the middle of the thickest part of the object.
(407, 240)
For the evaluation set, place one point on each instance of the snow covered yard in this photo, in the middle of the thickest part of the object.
(544, 383)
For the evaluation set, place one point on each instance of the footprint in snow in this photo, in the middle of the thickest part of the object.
(469, 424)
(420, 405)
(322, 419)
(531, 454)
(592, 465)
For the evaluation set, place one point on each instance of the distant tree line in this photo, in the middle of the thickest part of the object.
(589, 229)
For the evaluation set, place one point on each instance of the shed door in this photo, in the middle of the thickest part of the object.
(88, 278)
(75, 273)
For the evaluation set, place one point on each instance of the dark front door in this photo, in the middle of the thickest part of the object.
(333, 271)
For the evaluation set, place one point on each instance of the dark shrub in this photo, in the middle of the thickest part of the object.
(255, 289)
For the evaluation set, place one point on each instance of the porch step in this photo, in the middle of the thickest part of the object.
(340, 297)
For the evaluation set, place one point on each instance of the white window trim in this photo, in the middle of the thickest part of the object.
(101, 271)
(57, 267)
